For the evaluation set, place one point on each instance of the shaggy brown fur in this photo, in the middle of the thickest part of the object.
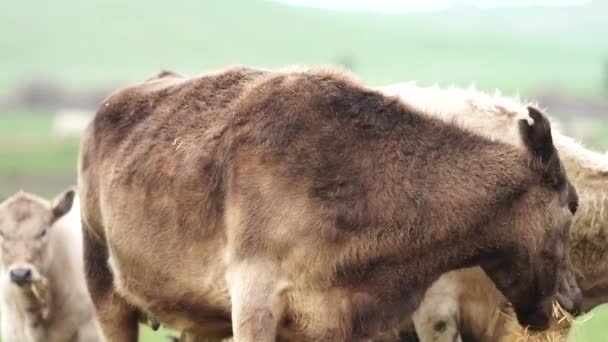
(497, 117)
(302, 201)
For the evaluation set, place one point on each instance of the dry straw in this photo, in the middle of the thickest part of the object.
(558, 331)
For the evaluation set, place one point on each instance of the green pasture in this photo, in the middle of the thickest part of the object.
(148, 335)
(591, 327)
(31, 157)
(604, 137)
(86, 43)
(27, 145)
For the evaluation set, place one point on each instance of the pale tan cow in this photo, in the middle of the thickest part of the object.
(304, 204)
(43, 295)
(466, 301)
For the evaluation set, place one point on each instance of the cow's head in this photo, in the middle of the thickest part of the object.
(25, 232)
(536, 264)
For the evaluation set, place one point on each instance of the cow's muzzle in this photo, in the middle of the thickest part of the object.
(21, 276)
(569, 295)
(570, 300)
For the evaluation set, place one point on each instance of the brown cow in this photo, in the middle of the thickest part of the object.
(304, 204)
(43, 293)
(467, 300)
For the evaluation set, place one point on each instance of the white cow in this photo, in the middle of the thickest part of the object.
(43, 295)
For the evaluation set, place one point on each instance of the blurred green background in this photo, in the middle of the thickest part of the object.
(59, 59)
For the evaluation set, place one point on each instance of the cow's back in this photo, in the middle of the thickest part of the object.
(173, 122)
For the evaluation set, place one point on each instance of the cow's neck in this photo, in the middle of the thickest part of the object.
(409, 279)
(467, 250)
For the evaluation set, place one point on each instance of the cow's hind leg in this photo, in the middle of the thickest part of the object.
(118, 320)
(255, 291)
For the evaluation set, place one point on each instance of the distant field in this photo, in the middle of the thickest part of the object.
(86, 43)
(604, 138)
(32, 158)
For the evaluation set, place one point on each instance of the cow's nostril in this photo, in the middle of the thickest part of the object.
(21, 276)
(576, 307)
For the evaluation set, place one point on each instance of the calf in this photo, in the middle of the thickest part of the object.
(43, 295)
(303, 204)
(497, 118)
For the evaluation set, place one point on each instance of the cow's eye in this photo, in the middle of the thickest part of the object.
(573, 206)
(42, 234)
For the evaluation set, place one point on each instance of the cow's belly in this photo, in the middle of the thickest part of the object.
(166, 256)
(179, 281)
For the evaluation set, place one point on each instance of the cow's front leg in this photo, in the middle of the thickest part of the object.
(64, 330)
(255, 291)
(67, 328)
(118, 320)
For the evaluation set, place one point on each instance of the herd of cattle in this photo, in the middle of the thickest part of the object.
(301, 205)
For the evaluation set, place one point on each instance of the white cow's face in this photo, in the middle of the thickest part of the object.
(25, 232)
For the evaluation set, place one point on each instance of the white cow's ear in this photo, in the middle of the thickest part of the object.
(62, 204)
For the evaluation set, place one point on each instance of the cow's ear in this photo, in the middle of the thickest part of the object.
(538, 140)
(537, 136)
(62, 204)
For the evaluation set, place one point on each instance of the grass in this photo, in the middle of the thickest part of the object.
(32, 158)
(511, 49)
(27, 144)
(603, 140)
(148, 335)
(590, 327)
(55, 156)
(25, 124)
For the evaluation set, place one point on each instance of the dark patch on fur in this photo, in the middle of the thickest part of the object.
(572, 199)
(439, 326)
(468, 338)
(408, 336)
(98, 274)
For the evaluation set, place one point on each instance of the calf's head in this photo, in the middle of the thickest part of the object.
(535, 267)
(25, 232)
